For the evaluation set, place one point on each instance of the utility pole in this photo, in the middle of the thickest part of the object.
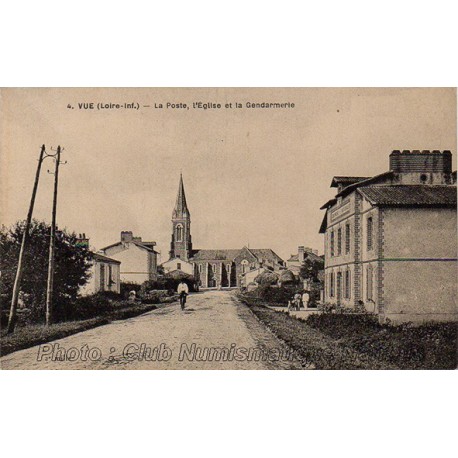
(25, 237)
(50, 285)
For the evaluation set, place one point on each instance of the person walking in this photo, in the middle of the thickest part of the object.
(183, 291)
(305, 299)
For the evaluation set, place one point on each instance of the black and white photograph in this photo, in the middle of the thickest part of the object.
(227, 228)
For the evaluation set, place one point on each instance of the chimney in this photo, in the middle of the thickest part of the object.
(126, 236)
(417, 161)
(301, 252)
(82, 241)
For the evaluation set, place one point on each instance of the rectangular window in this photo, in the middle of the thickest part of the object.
(110, 274)
(331, 289)
(102, 277)
(339, 241)
(347, 284)
(332, 243)
(347, 238)
(179, 265)
(369, 233)
(369, 283)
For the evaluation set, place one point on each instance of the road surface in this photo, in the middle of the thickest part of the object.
(214, 332)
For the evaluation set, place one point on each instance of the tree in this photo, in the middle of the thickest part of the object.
(287, 277)
(312, 271)
(266, 278)
(311, 268)
(72, 264)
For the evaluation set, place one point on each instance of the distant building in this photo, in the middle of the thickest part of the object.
(138, 258)
(391, 240)
(295, 262)
(104, 272)
(212, 268)
(226, 268)
(105, 276)
(178, 264)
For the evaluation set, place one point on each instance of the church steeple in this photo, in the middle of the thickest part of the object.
(181, 245)
(181, 207)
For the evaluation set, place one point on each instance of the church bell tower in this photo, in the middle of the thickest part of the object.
(181, 245)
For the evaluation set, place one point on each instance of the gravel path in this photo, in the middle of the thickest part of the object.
(214, 332)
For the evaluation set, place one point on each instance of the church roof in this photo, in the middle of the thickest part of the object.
(214, 255)
(229, 255)
(266, 253)
(181, 208)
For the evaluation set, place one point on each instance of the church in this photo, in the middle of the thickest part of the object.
(216, 268)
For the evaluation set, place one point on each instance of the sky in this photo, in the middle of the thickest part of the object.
(254, 177)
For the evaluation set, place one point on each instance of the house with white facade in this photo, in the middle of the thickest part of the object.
(138, 258)
(104, 276)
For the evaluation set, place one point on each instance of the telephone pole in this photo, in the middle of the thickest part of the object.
(50, 285)
(25, 237)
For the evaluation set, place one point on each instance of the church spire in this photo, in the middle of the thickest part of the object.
(181, 208)
(181, 245)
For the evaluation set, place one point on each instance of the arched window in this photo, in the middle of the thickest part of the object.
(244, 266)
(179, 233)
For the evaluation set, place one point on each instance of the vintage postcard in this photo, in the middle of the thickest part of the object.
(228, 228)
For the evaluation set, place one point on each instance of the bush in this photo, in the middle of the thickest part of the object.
(267, 278)
(127, 287)
(274, 296)
(154, 297)
(428, 346)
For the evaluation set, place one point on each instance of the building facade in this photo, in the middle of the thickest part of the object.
(105, 276)
(218, 268)
(138, 258)
(390, 240)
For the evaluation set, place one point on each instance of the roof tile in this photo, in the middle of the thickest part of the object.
(411, 195)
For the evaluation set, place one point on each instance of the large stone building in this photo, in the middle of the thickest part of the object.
(138, 258)
(391, 240)
(212, 268)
